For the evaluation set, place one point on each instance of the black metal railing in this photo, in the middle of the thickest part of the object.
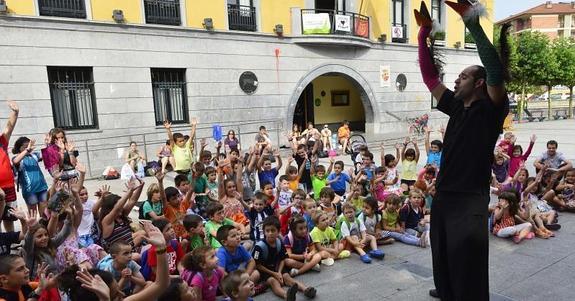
(327, 21)
(62, 8)
(165, 12)
(242, 17)
(73, 97)
(170, 97)
(398, 36)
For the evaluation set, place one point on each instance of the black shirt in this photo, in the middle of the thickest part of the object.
(469, 143)
(6, 240)
(274, 256)
(306, 176)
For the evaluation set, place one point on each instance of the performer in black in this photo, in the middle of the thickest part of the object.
(476, 108)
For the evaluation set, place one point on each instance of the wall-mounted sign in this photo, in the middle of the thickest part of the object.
(384, 76)
(343, 23)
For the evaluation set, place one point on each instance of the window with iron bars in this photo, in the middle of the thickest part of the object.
(170, 97)
(242, 15)
(73, 97)
(436, 10)
(165, 12)
(62, 8)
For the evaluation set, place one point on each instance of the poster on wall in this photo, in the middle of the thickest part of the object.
(384, 76)
(316, 23)
(361, 27)
(343, 23)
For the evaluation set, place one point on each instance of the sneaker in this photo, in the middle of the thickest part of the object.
(291, 292)
(553, 227)
(433, 293)
(316, 268)
(293, 272)
(328, 261)
(310, 292)
(365, 258)
(344, 254)
(378, 254)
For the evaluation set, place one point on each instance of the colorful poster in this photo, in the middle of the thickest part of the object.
(384, 76)
(343, 23)
(316, 23)
(362, 27)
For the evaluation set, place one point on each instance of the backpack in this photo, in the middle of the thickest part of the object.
(141, 214)
(145, 269)
(340, 220)
(265, 250)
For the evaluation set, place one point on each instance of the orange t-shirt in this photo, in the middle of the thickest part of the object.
(176, 217)
(343, 132)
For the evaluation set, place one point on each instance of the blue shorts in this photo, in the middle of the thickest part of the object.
(35, 198)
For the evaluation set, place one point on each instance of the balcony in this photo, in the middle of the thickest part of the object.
(241, 17)
(398, 33)
(166, 12)
(332, 27)
(62, 8)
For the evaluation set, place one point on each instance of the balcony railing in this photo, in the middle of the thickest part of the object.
(165, 12)
(62, 8)
(242, 17)
(325, 21)
(398, 33)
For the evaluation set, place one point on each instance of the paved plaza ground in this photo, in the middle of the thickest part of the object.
(534, 270)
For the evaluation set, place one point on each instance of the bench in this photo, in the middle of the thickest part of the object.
(560, 114)
(531, 115)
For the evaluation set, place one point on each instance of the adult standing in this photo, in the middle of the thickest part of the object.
(7, 187)
(476, 108)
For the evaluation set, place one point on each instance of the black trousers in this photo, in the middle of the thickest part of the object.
(460, 245)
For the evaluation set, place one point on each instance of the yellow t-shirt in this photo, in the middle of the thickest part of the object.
(323, 237)
(183, 156)
(409, 171)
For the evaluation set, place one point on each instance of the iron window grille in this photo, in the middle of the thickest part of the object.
(242, 17)
(62, 8)
(436, 10)
(399, 20)
(166, 12)
(170, 97)
(73, 97)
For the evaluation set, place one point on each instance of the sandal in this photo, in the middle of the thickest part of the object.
(365, 258)
(378, 254)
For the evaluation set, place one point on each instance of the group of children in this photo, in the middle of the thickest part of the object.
(231, 225)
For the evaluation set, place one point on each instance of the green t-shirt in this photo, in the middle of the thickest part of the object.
(390, 218)
(317, 185)
(212, 226)
(195, 241)
(323, 237)
(199, 186)
(157, 207)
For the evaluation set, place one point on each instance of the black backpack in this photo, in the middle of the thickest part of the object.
(141, 210)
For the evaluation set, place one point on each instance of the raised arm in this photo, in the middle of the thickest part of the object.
(12, 118)
(279, 162)
(168, 127)
(530, 148)
(414, 141)
(135, 197)
(405, 143)
(252, 160)
(427, 134)
(108, 220)
(397, 154)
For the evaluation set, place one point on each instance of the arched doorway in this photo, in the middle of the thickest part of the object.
(330, 94)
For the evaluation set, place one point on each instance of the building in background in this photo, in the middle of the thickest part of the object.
(111, 71)
(552, 19)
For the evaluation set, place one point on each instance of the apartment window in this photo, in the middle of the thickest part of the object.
(170, 97)
(561, 21)
(73, 97)
(165, 12)
(62, 8)
(242, 15)
(399, 28)
(572, 21)
(469, 40)
(436, 10)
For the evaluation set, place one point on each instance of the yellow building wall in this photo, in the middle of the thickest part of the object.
(326, 113)
(277, 12)
(197, 10)
(21, 7)
(378, 11)
(102, 10)
(455, 31)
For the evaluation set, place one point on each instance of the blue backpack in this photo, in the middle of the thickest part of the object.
(265, 250)
(145, 269)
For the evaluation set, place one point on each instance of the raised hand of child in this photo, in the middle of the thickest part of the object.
(13, 106)
(153, 235)
(81, 168)
(203, 142)
(398, 146)
(105, 189)
(31, 145)
(276, 152)
(70, 146)
(194, 121)
(167, 125)
(44, 277)
(160, 175)
(95, 284)
(533, 138)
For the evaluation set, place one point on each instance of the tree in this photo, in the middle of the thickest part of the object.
(535, 65)
(564, 55)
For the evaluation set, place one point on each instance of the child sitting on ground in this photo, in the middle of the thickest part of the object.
(126, 271)
(259, 210)
(238, 286)
(409, 159)
(215, 211)
(232, 255)
(300, 248)
(355, 237)
(194, 225)
(182, 148)
(517, 156)
(325, 240)
(265, 171)
(173, 249)
(319, 176)
(270, 255)
(153, 207)
(372, 221)
(310, 208)
(434, 149)
(330, 204)
(392, 226)
(338, 179)
(294, 174)
(412, 217)
(504, 219)
(202, 273)
(390, 162)
(15, 281)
